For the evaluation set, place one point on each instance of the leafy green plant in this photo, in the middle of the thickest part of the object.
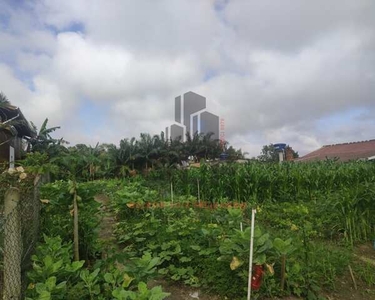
(53, 259)
(142, 268)
(49, 290)
(143, 293)
(52, 270)
(238, 245)
(91, 282)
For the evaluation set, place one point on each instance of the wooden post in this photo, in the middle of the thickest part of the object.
(75, 224)
(172, 192)
(283, 266)
(12, 245)
(36, 208)
(199, 193)
(353, 278)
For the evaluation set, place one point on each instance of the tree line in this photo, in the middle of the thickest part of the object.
(130, 156)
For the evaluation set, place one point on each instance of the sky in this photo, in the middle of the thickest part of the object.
(291, 71)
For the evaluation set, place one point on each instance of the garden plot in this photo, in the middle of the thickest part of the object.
(312, 222)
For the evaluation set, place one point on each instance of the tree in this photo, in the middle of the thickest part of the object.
(270, 154)
(125, 155)
(234, 154)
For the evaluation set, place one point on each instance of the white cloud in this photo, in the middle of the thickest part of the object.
(271, 71)
(109, 72)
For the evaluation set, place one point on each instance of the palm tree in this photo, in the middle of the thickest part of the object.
(192, 146)
(127, 152)
(161, 149)
(106, 156)
(176, 151)
(146, 148)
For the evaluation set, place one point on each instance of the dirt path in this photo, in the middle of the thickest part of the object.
(107, 225)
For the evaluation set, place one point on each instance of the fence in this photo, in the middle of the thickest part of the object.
(19, 227)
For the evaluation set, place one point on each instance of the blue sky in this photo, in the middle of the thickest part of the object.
(297, 72)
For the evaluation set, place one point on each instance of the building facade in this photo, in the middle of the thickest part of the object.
(192, 117)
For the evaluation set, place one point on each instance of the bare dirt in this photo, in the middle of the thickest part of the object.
(345, 287)
(182, 292)
(366, 253)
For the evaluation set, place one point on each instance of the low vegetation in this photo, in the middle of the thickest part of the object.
(306, 229)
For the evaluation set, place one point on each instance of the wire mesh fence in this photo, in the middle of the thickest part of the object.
(19, 225)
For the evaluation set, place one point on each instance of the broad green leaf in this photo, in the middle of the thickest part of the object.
(45, 295)
(142, 288)
(50, 283)
(108, 277)
(127, 280)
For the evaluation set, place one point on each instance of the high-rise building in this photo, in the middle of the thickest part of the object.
(192, 117)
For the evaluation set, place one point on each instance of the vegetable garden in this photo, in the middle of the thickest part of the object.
(192, 227)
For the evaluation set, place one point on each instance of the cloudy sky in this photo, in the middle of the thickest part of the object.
(299, 72)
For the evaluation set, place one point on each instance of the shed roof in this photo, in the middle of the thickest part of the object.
(23, 128)
(343, 152)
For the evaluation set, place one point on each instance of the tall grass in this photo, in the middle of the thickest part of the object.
(347, 190)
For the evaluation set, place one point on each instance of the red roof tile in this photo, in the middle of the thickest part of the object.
(344, 152)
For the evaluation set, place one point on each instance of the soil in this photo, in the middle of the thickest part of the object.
(365, 253)
(345, 289)
(182, 292)
(107, 225)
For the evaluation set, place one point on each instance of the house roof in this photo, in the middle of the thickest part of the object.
(23, 128)
(344, 152)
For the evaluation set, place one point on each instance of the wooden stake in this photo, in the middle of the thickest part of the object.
(283, 265)
(75, 225)
(199, 194)
(353, 279)
(172, 192)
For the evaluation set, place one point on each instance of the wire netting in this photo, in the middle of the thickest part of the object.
(19, 228)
